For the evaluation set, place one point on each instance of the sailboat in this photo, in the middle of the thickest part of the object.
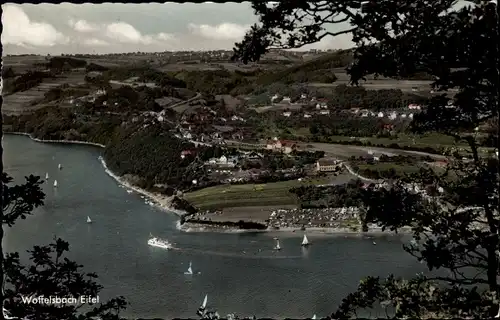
(47, 176)
(277, 247)
(202, 308)
(305, 242)
(89, 220)
(190, 269)
(59, 166)
(55, 183)
(314, 317)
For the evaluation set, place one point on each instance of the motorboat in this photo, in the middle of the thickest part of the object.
(164, 244)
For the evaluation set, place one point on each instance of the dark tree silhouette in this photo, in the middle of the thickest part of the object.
(456, 43)
(50, 272)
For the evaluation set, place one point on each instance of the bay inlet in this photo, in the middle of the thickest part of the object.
(240, 272)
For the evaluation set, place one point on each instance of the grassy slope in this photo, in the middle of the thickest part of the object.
(246, 195)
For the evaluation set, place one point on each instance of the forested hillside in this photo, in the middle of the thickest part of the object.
(152, 154)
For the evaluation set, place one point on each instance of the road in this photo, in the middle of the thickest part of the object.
(197, 96)
(345, 151)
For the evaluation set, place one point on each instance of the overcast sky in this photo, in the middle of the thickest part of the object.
(106, 28)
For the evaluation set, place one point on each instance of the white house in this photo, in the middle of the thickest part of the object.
(364, 114)
(380, 115)
(100, 92)
(403, 115)
(303, 96)
(324, 112)
(410, 116)
(306, 115)
(318, 106)
(414, 107)
(222, 160)
(285, 99)
(275, 97)
(393, 115)
(287, 113)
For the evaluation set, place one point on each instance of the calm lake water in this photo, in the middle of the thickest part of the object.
(291, 283)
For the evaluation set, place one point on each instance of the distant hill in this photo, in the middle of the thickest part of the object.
(316, 70)
(327, 68)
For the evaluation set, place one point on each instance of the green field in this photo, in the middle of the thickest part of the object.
(433, 140)
(247, 195)
(383, 166)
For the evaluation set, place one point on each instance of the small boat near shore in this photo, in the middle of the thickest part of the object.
(55, 183)
(305, 242)
(89, 220)
(59, 166)
(277, 246)
(47, 176)
(164, 244)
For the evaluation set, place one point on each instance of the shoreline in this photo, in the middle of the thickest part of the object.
(164, 203)
(160, 201)
(290, 231)
(57, 141)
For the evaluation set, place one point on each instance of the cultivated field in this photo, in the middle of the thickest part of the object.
(21, 102)
(247, 195)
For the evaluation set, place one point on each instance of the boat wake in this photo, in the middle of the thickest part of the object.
(246, 255)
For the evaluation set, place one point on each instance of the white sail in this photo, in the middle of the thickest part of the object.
(190, 269)
(305, 242)
(55, 183)
(59, 166)
(277, 245)
(314, 317)
(88, 219)
(47, 176)
(204, 304)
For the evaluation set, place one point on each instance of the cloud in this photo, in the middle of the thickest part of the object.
(165, 36)
(116, 33)
(83, 26)
(95, 42)
(223, 31)
(20, 30)
(126, 33)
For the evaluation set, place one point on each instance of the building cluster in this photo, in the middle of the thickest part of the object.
(320, 107)
(284, 146)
